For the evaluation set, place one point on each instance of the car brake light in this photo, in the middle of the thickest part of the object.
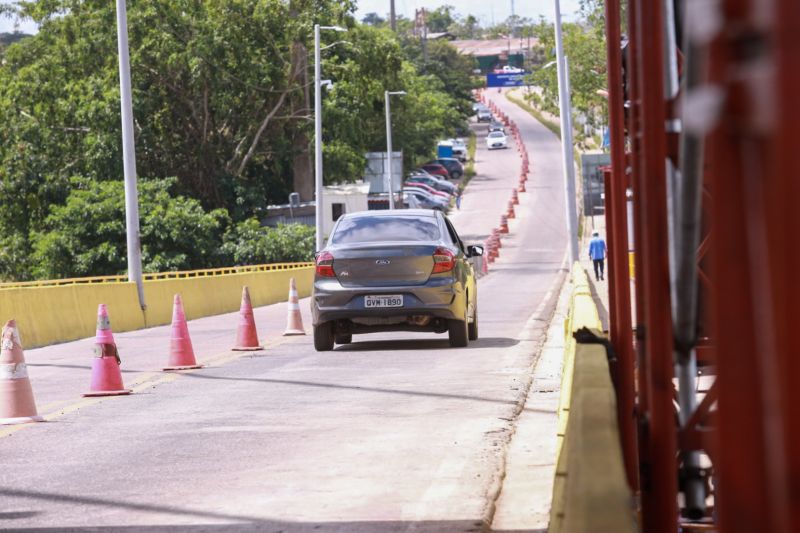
(443, 260)
(325, 265)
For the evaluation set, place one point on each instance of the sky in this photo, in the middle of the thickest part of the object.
(485, 10)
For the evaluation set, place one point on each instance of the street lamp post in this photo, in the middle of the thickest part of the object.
(129, 155)
(565, 110)
(387, 95)
(318, 130)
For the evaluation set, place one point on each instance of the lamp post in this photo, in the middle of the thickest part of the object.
(565, 110)
(387, 95)
(129, 155)
(318, 130)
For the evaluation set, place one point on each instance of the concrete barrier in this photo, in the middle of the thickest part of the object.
(53, 313)
(590, 492)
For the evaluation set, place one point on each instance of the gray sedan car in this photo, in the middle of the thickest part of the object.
(404, 270)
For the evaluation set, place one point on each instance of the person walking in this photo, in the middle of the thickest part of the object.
(597, 253)
(458, 198)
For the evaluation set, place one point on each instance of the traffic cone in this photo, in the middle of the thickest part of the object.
(503, 224)
(246, 334)
(106, 374)
(294, 320)
(17, 405)
(515, 196)
(521, 186)
(181, 353)
(510, 212)
(496, 237)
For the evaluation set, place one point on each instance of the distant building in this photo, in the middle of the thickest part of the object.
(495, 53)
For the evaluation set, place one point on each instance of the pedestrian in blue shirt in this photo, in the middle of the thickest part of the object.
(597, 253)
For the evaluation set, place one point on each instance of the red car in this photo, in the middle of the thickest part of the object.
(436, 169)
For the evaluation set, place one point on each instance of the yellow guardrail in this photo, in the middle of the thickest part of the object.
(180, 274)
(65, 310)
(590, 491)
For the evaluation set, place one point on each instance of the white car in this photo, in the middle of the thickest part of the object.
(496, 139)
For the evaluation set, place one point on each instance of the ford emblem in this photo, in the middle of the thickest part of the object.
(382, 262)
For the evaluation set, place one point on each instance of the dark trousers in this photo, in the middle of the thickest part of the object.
(599, 265)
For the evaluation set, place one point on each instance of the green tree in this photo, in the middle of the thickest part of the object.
(441, 18)
(249, 243)
(86, 235)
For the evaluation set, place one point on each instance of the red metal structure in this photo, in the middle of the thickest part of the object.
(704, 118)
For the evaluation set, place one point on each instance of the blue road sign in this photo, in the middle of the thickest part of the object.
(505, 80)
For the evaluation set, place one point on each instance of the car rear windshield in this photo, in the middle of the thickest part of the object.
(386, 228)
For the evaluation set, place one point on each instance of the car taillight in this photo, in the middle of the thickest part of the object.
(443, 260)
(325, 265)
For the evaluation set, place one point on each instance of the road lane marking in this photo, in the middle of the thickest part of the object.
(147, 380)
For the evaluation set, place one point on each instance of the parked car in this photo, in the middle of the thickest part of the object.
(414, 197)
(434, 200)
(436, 169)
(496, 126)
(436, 183)
(496, 139)
(484, 115)
(402, 270)
(428, 188)
(453, 166)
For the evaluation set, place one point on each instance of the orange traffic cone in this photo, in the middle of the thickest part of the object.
(514, 196)
(503, 224)
(17, 405)
(106, 375)
(294, 321)
(181, 353)
(510, 211)
(246, 334)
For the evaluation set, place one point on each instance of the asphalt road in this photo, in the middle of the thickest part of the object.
(396, 432)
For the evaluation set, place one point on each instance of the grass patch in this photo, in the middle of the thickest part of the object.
(535, 113)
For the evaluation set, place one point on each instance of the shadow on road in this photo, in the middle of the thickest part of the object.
(220, 521)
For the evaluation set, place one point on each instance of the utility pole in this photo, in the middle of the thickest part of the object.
(392, 16)
(565, 110)
(129, 155)
(387, 95)
(318, 131)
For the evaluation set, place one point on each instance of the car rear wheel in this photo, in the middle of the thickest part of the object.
(323, 337)
(472, 329)
(344, 338)
(458, 334)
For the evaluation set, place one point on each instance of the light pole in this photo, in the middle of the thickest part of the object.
(565, 110)
(318, 129)
(387, 95)
(129, 155)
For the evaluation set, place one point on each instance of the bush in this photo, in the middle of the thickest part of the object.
(249, 243)
(86, 235)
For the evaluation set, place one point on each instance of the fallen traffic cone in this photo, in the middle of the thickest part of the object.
(181, 352)
(246, 334)
(17, 405)
(106, 374)
(294, 320)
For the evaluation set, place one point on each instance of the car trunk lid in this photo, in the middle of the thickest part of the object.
(384, 265)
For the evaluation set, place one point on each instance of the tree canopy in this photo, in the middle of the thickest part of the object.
(222, 111)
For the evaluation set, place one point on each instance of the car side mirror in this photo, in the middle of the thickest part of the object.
(474, 250)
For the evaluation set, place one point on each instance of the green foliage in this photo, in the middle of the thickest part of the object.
(221, 103)
(250, 243)
(86, 235)
(584, 45)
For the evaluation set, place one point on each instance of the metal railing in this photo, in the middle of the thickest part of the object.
(122, 278)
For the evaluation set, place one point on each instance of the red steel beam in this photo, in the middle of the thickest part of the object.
(659, 475)
(619, 274)
(754, 301)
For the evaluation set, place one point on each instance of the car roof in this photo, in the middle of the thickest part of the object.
(396, 212)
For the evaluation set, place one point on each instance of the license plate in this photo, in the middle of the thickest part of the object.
(389, 300)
